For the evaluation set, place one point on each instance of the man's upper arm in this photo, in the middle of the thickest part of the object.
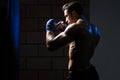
(60, 40)
(70, 33)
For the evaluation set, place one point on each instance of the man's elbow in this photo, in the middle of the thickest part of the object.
(50, 48)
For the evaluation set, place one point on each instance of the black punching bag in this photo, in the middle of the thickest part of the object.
(10, 24)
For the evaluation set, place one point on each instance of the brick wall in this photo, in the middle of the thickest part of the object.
(36, 63)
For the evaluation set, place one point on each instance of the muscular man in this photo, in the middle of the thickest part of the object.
(82, 38)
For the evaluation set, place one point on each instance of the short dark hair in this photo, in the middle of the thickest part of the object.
(73, 6)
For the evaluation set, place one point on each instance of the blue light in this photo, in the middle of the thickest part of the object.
(97, 30)
(15, 29)
(90, 30)
(87, 23)
(15, 23)
(90, 27)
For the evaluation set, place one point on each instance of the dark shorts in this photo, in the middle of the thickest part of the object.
(87, 74)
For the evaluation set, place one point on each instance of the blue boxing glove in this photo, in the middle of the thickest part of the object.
(50, 25)
(61, 25)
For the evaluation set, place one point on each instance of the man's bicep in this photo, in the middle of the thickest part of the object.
(60, 40)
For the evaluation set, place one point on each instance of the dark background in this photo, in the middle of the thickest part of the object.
(106, 14)
(33, 53)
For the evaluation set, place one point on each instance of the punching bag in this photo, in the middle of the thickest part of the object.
(10, 33)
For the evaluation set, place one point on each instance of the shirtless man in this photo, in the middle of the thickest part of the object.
(82, 38)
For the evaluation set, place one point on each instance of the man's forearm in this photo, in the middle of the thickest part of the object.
(49, 36)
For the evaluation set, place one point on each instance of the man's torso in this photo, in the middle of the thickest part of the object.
(82, 49)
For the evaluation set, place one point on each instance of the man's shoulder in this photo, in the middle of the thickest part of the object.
(75, 26)
(74, 29)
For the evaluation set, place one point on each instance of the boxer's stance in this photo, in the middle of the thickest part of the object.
(82, 38)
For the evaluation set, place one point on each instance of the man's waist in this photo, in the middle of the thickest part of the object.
(80, 68)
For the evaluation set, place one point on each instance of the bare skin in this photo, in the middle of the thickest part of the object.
(81, 44)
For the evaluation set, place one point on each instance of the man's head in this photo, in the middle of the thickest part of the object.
(72, 11)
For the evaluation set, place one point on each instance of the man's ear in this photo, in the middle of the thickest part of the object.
(74, 13)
